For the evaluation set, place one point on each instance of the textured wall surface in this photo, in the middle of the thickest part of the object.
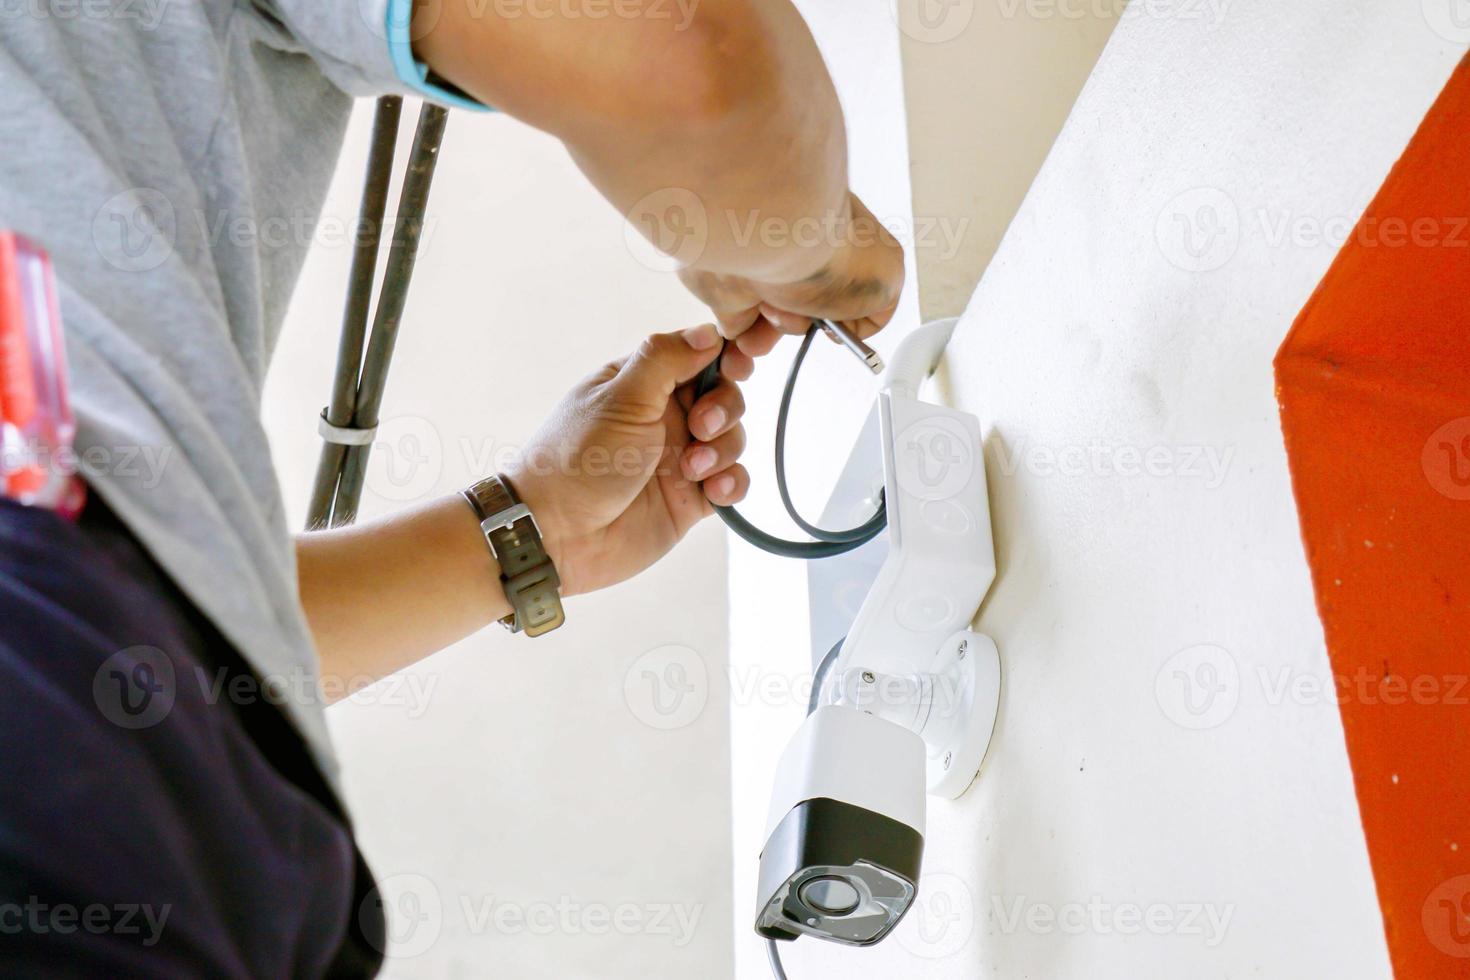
(1169, 794)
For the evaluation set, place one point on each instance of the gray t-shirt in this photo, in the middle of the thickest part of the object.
(168, 153)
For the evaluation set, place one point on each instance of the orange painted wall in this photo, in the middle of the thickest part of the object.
(1374, 388)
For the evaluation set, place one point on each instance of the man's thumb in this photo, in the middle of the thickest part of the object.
(666, 360)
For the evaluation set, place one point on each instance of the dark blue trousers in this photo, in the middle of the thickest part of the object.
(152, 825)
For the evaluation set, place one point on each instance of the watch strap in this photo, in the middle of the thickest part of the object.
(526, 571)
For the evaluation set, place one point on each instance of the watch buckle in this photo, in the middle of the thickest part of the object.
(507, 518)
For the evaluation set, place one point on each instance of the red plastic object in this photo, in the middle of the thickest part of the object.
(37, 464)
(1374, 387)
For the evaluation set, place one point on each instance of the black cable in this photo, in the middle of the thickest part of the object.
(860, 535)
(829, 544)
(774, 955)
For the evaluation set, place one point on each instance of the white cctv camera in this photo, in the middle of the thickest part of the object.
(845, 838)
(905, 703)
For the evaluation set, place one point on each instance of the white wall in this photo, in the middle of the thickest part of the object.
(1160, 750)
(988, 86)
(507, 777)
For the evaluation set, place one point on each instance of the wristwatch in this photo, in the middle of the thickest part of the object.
(526, 571)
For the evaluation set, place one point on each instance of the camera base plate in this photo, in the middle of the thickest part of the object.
(962, 720)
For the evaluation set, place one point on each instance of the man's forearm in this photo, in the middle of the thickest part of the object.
(388, 593)
(611, 479)
(726, 99)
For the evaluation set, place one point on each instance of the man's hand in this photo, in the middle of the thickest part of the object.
(731, 102)
(613, 478)
(614, 475)
(858, 286)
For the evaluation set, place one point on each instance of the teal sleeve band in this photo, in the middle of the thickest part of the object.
(411, 71)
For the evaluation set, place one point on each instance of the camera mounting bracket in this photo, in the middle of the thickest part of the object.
(953, 706)
(922, 583)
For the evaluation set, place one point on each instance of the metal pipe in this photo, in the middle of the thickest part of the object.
(359, 301)
(392, 299)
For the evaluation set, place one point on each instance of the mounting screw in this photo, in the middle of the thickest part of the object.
(964, 645)
(868, 677)
(948, 758)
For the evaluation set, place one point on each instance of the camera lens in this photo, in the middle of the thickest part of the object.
(830, 896)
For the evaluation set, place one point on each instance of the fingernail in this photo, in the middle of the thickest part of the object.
(714, 421)
(700, 461)
(722, 486)
(702, 337)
